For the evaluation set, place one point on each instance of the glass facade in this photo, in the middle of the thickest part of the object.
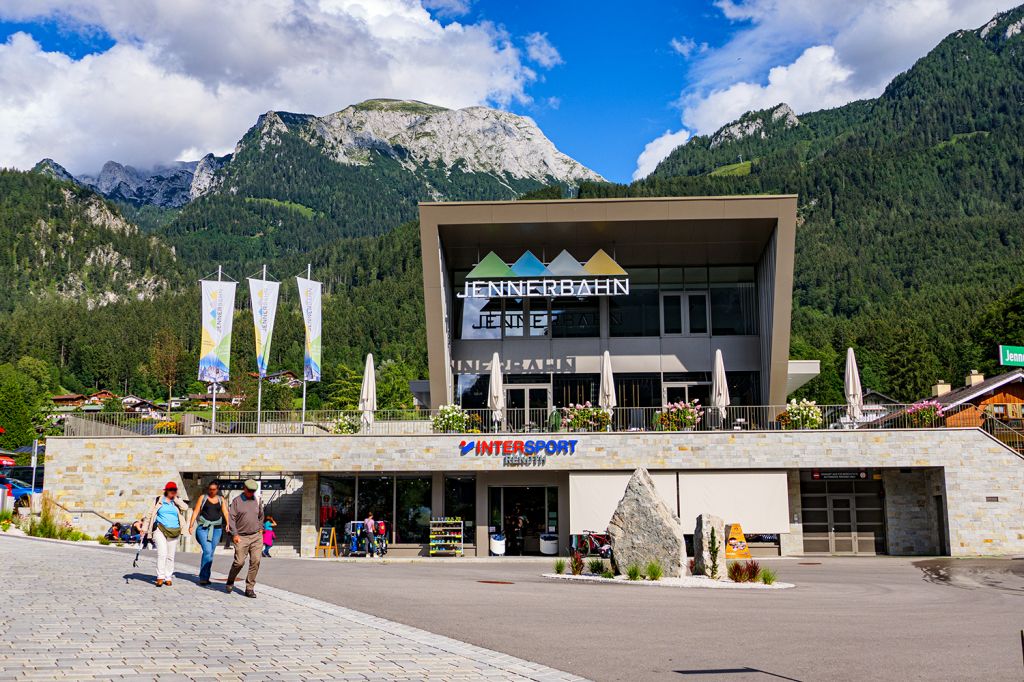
(460, 501)
(412, 508)
(403, 502)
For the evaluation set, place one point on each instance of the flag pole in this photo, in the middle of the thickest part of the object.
(259, 376)
(213, 423)
(309, 275)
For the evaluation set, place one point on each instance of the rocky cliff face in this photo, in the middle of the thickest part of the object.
(756, 123)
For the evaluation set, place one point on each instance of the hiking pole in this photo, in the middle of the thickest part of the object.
(135, 564)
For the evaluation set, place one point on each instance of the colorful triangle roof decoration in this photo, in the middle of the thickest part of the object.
(529, 265)
(602, 264)
(565, 265)
(491, 267)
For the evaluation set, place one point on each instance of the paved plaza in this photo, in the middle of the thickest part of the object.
(79, 612)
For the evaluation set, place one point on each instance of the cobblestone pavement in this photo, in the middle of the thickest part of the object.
(79, 612)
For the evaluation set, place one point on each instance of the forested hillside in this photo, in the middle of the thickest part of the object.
(909, 217)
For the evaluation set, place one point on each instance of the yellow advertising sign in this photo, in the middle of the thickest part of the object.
(736, 545)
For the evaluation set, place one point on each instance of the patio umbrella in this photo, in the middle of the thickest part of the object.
(496, 392)
(368, 394)
(606, 400)
(852, 388)
(719, 387)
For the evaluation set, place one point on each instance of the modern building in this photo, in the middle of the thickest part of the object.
(639, 295)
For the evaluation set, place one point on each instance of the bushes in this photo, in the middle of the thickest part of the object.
(633, 572)
(608, 574)
(347, 425)
(767, 576)
(681, 416)
(744, 571)
(559, 566)
(453, 419)
(654, 571)
(47, 526)
(801, 415)
(596, 566)
(585, 417)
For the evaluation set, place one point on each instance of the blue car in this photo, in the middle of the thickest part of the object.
(19, 490)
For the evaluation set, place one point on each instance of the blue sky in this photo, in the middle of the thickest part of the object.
(614, 85)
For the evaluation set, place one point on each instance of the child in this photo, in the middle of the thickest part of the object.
(268, 535)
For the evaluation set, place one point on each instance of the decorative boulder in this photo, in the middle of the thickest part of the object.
(644, 529)
(702, 563)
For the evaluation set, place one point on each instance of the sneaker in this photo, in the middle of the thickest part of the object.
(159, 582)
(167, 583)
(250, 594)
(204, 583)
(228, 587)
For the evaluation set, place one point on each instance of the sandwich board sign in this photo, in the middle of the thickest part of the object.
(736, 545)
(327, 542)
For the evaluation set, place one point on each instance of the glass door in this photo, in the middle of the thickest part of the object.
(842, 522)
(684, 313)
(527, 407)
(685, 391)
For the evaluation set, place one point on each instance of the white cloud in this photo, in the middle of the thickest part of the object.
(656, 150)
(540, 50)
(194, 75)
(686, 46)
(449, 8)
(815, 54)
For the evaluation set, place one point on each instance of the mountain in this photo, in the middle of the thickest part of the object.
(64, 241)
(909, 224)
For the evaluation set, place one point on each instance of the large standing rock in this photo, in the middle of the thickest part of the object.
(702, 546)
(644, 529)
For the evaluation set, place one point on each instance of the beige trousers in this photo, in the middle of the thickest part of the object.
(251, 546)
(165, 551)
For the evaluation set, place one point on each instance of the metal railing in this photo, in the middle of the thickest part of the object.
(513, 421)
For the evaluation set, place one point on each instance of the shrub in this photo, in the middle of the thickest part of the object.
(713, 547)
(585, 417)
(166, 427)
(453, 419)
(608, 574)
(6, 515)
(103, 540)
(596, 566)
(576, 563)
(633, 572)
(347, 425)
(654, 571)
(47, 526)
(736, 572)
(752, 571)
(801, 415)
(5, 525)
(768, 576)
(559, 566)
(681, 416)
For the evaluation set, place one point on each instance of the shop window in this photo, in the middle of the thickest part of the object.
(412, 509)
(460, 501)
(376, 494)
(744, 387)
(480, 318)
(575, 318)
(638, 390)
(733, 301)
(337, 502)
(574, 388)
(471, 391)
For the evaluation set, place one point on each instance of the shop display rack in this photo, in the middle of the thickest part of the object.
(446, 536)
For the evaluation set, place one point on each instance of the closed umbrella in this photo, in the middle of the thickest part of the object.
(606, 399)
(852, 388)
(719, 387)
(368, 394)
(496, 392)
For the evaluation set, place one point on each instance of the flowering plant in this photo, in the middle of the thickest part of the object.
(680, 416)
(801, 415)
(167, 426)
(924, 413)
(347, 424)
(453, 419)
(585, 417)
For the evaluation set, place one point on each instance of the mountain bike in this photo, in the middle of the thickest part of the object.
(590, 543)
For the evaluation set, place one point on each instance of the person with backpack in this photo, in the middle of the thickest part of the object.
(246, 521)
(211, 516)
(163, 523)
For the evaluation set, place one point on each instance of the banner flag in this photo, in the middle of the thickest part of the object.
(217, 314)
(263, 294)
(309, 297)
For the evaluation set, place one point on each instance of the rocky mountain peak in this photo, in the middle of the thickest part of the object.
(756, 123)
(52, 169)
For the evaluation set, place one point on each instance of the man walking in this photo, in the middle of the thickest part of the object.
(247, 523)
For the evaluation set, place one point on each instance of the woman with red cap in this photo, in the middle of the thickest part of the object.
(164, 524)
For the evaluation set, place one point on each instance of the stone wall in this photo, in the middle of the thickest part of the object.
(911, 523)
(984, 481)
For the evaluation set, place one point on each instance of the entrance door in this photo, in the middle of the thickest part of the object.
(523, 513)
(685, 391)
(527, 407)
(842, 522)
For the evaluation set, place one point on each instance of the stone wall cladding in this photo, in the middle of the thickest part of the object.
(116, 475)
(910, 512)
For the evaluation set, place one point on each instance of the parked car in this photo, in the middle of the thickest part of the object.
(19, 490)
(24, 473)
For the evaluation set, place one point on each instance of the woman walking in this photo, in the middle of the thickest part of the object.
(163, 524)
(211, 516)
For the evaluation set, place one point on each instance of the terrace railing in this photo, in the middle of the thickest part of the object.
(514, 421)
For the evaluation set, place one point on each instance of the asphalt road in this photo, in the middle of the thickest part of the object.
(855, 618)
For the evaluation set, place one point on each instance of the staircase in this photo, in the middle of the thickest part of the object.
(1004, 433)
(286, 508)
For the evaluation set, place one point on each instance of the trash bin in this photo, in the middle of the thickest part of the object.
(549, 544)
(498, 544)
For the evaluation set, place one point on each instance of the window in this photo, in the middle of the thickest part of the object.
(733, 301)
(460, 501)
(513, 317)
(574, 388)
(337, 502)
(481, 318)
(638, 314)
(412, 512)
(684, 313)
(376, 494)
(638, 390)
(471, 390)
(575, 318)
